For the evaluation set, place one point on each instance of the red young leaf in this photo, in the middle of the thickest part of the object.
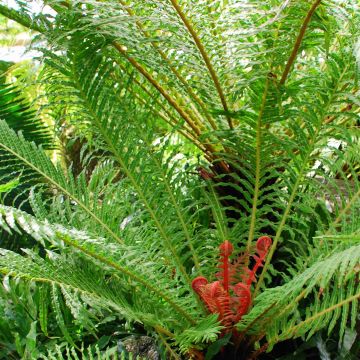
(226, 250)
(228, 297)
(243, 300)
(197, 283)
(263, 245)
(217, 301)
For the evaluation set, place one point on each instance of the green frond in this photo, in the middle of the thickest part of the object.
(19, 115)
(32, 164)
(141, 162)
(315, 299)
(119, 273)
(90, 353)
(206, 331)
(22, 18)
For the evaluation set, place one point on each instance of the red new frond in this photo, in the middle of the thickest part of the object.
(263, 245)
(226, 248)
(209, 293)
(225, 273)
(230, 296)
(198, 283)
(217, 301)
(241, 301)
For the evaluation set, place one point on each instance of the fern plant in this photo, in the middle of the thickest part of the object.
(217, 122)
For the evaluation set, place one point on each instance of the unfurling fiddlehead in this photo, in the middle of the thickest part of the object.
(227, 296)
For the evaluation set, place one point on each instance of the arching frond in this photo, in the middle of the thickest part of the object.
(109, 286)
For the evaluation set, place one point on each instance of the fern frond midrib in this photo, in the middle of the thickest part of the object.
(137, 187)
(158, 87)
(257, 167)
(170, 119)
(206, 59)
(185, 132)
(298, 41)
(173, 69)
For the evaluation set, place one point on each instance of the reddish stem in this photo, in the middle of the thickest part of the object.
(263, 245)
(226, 250)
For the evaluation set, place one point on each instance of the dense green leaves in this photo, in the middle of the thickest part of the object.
(21, 117)
(199, 123)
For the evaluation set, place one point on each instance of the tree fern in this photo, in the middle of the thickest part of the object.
(265, 93)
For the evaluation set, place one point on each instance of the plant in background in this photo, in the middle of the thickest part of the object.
(20, 116)
(265, 95)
